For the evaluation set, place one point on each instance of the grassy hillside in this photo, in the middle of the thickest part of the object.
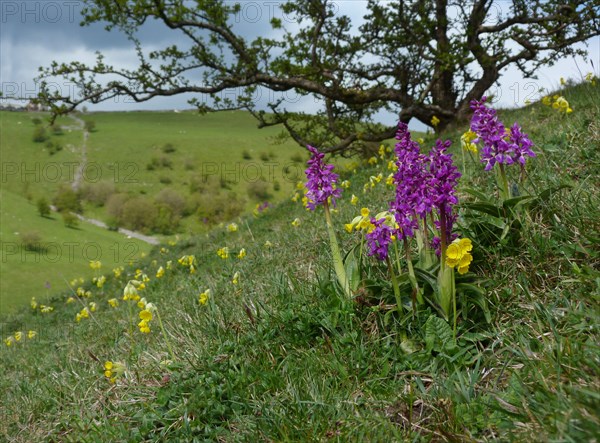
(275, 352)
(65, 255)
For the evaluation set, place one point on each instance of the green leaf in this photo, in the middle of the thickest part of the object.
(477, 296)
(478, 194)
(512, 202)
(486, 208)
(352, 270)
(438, 335)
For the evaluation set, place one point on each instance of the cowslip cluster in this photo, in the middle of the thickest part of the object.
(321, 181)
(499, 145)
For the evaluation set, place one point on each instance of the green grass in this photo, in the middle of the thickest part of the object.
(68, 251)
(281, 357)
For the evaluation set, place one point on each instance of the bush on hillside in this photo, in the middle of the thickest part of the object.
(67, 199)
(98, 193)
(43, 207)
(32, 241)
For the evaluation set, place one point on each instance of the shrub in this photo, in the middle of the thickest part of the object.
(57, 130)
(39, 134)
(297, 158)
(98, 193)
(90, 126)
(114, 206)
(67, 199)
(276, 186)
(36, 121)
(43, 207)
(138, 213)
(32, 241)
(168, 148)
(173, 200)
(69, 219)
(158, 163)
(264, 156)
(165, 180)
(258, 190)
(215, 208)
(189, 165)
(246, 155)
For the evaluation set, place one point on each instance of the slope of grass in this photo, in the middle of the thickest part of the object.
(280, 356)
(64, 253)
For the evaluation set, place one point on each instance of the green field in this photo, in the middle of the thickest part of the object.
(25, 274)
(118, 152)
(266, 345)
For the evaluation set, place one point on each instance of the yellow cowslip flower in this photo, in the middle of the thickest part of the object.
(236, 278)
(164, 250)
(117, 271)
(300, 186)
(80, 292)
(145, 278)
(466, 141)
(203, 297)
(268, 244)
(138, 273)
(295, 197)
(33, 303)
(392, 166)
(562, 81)
(145, 315)
(130, 292)
(160, 272)
(93, 306)
(354, 200)
(141, 286)
(345, 184)
(70, 300)
(142, 303)
(242, 253)
(113, 370)
(547, 101)
(420, 140)
(435, 121)
(46, 309)
(100, 281)
(9, 341)
(232, 227)
(372, 160)
(169, 265)
(31, 334)
(590, 77)
(348, 227)
(84, 313)
(95, 264)
(365, 212)
(457, 254)
(296, 222)
(223, 252)
(18, 336)
(113, 302)
(390, 180)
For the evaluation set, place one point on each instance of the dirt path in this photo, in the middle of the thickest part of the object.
(145, 238)
(77, 184)
(79, 173)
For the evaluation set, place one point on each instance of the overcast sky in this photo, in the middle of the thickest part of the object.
(34, 33)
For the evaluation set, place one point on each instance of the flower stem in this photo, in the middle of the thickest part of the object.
(413, 279)
(338, 263)
(503, 182)
(164, 333)
(394, 284)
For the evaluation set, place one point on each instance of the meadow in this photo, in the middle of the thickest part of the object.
(219, 154)
(244, 332)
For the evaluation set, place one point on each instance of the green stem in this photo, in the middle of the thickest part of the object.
(394, 284)
(164, 333)
(503, 182)
(338, 263)
(413, 279)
